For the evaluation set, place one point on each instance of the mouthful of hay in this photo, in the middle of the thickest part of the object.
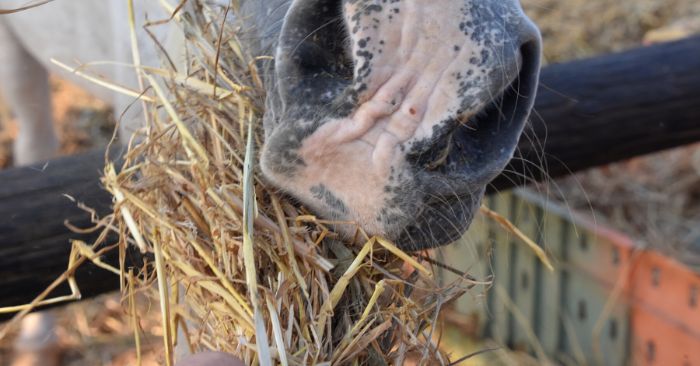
(240, 268)
(236, 266)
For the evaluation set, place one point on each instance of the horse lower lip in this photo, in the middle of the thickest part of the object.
(432, 230)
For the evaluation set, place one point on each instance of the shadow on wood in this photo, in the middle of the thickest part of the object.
(588, 113)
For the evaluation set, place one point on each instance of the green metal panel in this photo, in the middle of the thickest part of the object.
(524, 267)
(586, 299)
(500, 325)
(590, 273)
(550, 283)
(561, 307)
(469, 256)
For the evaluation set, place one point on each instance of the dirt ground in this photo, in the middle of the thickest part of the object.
(99, 332)
(655, 198)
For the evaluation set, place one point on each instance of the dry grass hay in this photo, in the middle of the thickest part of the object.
(236, 266)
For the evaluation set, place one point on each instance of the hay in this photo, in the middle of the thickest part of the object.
(237, 266)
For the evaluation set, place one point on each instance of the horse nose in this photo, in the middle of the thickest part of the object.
(522, 56)
(530, 47)
(528, 31)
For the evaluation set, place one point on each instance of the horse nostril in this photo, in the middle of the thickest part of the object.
(528, 80)
(312, 53)
(470, 153)
(529, 73)
(481, 149)
(439, 157)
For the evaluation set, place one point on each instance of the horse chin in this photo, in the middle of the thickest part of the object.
(440, 223)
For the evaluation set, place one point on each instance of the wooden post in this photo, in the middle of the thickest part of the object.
(34, 240)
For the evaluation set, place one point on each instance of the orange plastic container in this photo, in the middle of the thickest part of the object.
(665, 312)
(662, 295)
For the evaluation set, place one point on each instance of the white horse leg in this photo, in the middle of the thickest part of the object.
(24, 84)
(37, 344)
